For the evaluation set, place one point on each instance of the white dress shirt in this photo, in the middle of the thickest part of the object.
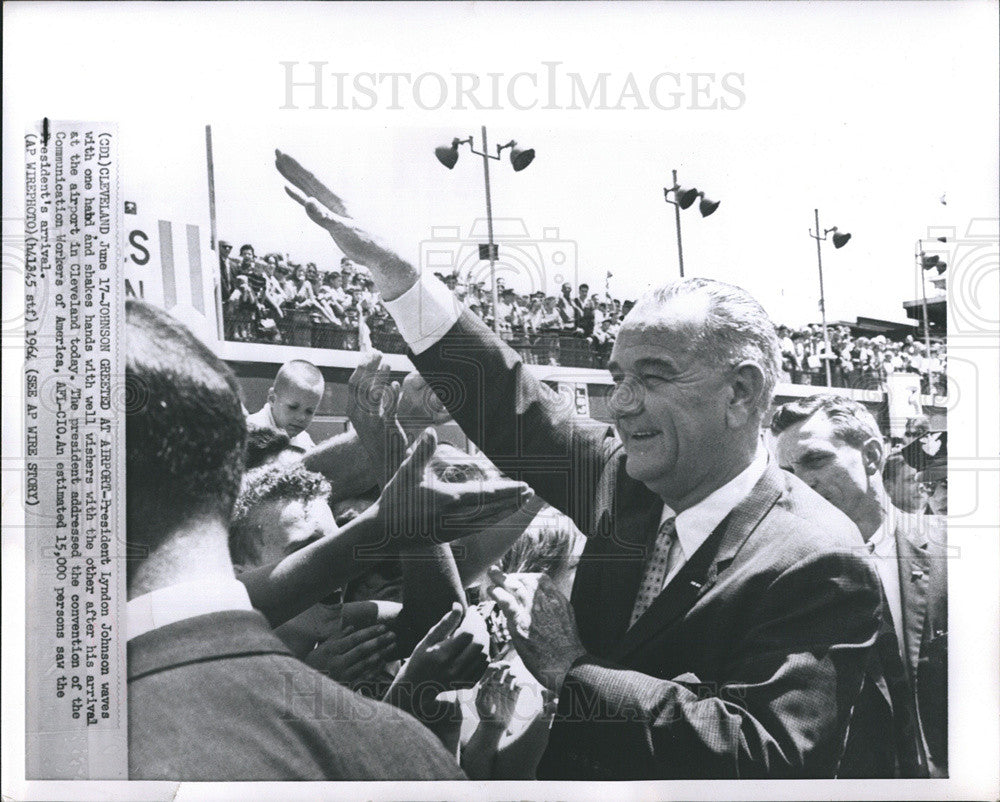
(882, 545)
(424, 313)
(696, 523)
(184, 600)
(265, 417)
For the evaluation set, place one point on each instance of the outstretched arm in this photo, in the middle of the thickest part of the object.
(523, 426)
(343, 460)
(414, 507)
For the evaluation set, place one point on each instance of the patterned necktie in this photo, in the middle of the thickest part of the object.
(666, 552)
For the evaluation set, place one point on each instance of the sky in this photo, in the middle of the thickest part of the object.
(869, 112)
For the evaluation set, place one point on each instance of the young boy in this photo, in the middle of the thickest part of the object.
(292, 401)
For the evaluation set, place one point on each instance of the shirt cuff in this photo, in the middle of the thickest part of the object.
(425, 313)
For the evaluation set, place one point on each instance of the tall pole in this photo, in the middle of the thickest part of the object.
(822, 302)
(677, 220)
(213, 242)
(489, 230)
(927, 330)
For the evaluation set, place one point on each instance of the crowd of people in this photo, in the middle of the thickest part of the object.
(859, 362)
(379, 605)
(572, 329)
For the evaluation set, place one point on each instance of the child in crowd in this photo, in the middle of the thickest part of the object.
(292, 401)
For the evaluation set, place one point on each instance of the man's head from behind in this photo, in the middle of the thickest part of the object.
(834, 445)
(695, 365)
(184, 440)
(266, 445)
(295, 395)
(280, 509)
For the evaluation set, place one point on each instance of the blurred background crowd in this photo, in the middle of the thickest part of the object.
(272, 299)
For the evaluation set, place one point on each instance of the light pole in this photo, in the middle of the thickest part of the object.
(927, 262)
(839, 241)
(683, 198)
(519, 159)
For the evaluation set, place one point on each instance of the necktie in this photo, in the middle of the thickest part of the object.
(666, 553)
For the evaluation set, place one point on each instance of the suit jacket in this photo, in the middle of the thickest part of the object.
(908, 687)
(923, 583)
(219, 697)
(749, 664)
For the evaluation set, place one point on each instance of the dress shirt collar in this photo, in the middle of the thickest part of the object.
(184, 600)
(696, 523)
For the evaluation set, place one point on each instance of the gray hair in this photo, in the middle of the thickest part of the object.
(736, 327)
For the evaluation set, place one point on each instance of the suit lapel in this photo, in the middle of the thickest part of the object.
(914, 574)
(635, 527)
(701, 570)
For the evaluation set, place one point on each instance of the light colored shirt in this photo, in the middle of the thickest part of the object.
(696, 523)
(883, 547)
(265, 417)
(424, 313)
(174, 603)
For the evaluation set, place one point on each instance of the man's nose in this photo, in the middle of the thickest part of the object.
(627, 399)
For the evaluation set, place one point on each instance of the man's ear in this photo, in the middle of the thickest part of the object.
(270, 395)
(872, 453)
(747, 387)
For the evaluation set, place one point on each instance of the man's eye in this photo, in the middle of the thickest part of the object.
(652, 379)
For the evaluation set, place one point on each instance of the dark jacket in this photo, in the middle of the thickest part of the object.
(751, 661)
(219, 697)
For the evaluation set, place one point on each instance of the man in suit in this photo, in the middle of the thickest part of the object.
(721, 618)
(212, 693)
(834, 445)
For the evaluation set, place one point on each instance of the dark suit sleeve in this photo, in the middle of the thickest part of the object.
(527, 429)
(779, 709)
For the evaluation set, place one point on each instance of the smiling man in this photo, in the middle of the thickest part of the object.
(722, 620)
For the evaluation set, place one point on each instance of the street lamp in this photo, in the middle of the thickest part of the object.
(840, 239)
(927, 262)
(684, 197)
(519, 159)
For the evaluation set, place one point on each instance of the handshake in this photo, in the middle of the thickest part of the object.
(425, 499)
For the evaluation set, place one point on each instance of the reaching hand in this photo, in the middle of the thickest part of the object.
(392, 274)
(541, 624)
(417, 504)
(498, 694)
(372, 399)
(353, 656)
(443, 660)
